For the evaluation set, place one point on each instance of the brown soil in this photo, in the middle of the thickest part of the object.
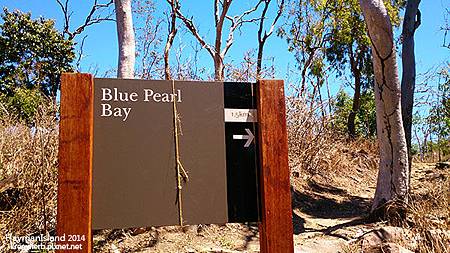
(328, 216)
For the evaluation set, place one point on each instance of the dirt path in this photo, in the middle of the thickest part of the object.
(329, 218)
(326, 215)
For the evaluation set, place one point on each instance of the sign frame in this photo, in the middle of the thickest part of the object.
(74, 212)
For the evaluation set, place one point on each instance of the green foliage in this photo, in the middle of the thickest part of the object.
(439, 117)
(415, 149)
(349, 44)
(366, 117)
(332, 34)
(337, 28)
(341, 108)
(433, 128)
(22, 104)
(32, 55)
(365, 121)
(306, 33)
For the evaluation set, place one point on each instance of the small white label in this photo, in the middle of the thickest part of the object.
(240, 115)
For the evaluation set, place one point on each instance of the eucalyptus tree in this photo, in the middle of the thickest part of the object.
(306, 34)
(411, 22)
(333, 33)
(125, 34)
(439, 113)
(348, 48)
(393, 176)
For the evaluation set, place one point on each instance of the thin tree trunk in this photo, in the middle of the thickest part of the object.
(220, 15)
(170, 37)
(304, 69)
(259, 60)
(125, 34)
(218, 56)
(263, 35)
(218, 68)
(330, 109)
(356, 104)
(392, 184)
(410, 24)
(322, 109)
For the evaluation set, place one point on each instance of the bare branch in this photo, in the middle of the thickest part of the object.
(262, 38)
(272, 27)
(221, 8)
(91, 18)
(64, 9)
(80, 54)
(216, 11)
(191, 27)
(238, 18)
(236, 23)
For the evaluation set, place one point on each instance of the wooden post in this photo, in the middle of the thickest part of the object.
(75, 161)
(275, 229)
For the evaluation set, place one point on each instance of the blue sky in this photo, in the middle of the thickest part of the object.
(101, 44)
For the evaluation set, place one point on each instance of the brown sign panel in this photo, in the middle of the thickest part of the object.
(134, 175)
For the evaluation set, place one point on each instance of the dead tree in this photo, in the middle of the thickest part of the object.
(96, 15)
(263, 35)
(148, 40)
(217, 51)
(172, 27)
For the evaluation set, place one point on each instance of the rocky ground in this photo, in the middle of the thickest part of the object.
(327, 215)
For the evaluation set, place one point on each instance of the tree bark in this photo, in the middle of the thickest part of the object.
(218, 68)
(263, 35)
(356, 103)
(410, 24)
(392, 184)
(125, 34)
(174, 5)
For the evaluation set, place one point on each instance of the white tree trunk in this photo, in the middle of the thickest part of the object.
(393, 173)
(125, 34)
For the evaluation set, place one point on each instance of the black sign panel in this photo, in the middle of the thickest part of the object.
(242, 155)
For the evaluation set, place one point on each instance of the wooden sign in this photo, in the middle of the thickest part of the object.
(137, 153)
(134, 172)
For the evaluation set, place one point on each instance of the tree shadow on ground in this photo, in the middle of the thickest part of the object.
(298, 223)
(324, 201)
(252, 234)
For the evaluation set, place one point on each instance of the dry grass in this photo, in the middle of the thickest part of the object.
(429, 209)
(315, 148)
(28, 174)
(28, 180)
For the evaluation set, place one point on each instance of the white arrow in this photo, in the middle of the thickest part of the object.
(248, 137)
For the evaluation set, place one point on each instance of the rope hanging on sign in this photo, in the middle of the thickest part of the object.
(181, 173)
